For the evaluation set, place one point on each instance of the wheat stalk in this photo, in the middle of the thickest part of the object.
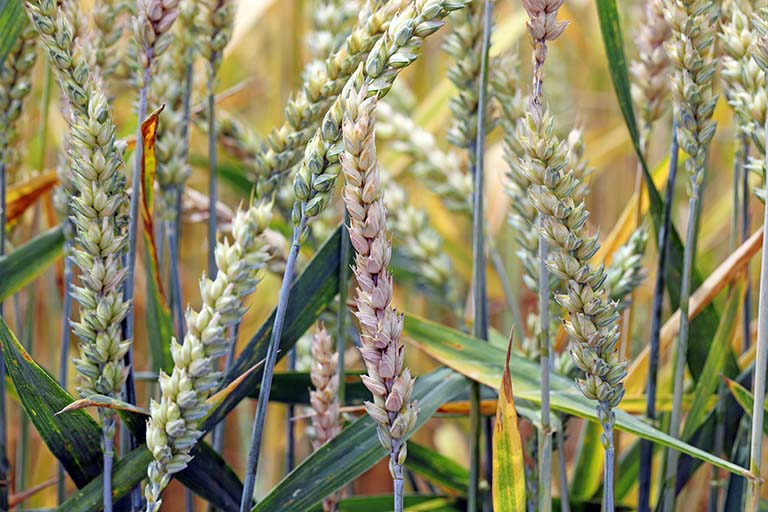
(98, 215)
(593, 320)
(317, 175)
(543, 26)
(107, 31)
(465, 44)
(380, 324)
(172, 430)
(691, 50)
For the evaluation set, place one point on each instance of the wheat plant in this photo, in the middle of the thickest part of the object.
(416, 179)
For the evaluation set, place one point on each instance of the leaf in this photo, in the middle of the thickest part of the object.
(713, 367)
(706, 323)
(384, 504)
(442, 471)
(293, 388)
(22, 195)
(159, 321)
(508, 468)
(310, 295)
(12, 19)
(134, 417)
(22, 266)
(355, 450)
(74, 438)
(481, 362)
(207, 475)
(744, 398)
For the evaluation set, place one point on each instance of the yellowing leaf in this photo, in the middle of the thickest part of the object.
(23, 195)
(159, 322)
(508, 472)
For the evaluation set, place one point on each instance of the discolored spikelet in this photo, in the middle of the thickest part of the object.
(324, 398)
(380, 325)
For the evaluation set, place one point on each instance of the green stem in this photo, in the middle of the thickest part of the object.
(756, 445)
(269, 368)
(673, 456)
(341, 314)
(473, 501)
(212, 182)
(479, 278)
(127, 440)
(565, 503)
(107, 430)
(545, 434)
(607, 419)
(66, 313)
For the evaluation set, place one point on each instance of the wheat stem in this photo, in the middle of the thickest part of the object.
(341, 315)
(646, 447)
(266, 379)
(212, 182)
(479, 284)
(761, 359)
(66, 313)
(681, 353)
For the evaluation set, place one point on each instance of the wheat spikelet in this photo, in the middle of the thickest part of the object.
(15, 85)
(650, 88)
(172, 430)
(324, 398)
(380, 325)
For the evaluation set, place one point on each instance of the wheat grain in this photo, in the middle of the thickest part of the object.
(98, 213)
(625, 273)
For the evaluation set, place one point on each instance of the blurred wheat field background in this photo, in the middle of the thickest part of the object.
(264, 65)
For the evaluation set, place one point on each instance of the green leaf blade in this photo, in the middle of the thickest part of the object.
(22, 266)
(355, 450)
